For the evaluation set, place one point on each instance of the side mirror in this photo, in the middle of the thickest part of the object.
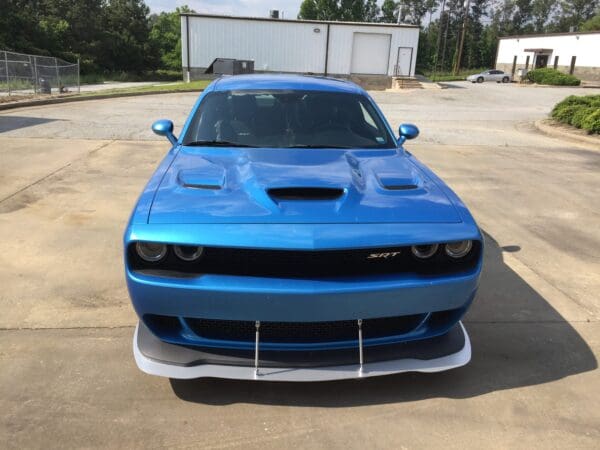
(407, 131)
(165, 128)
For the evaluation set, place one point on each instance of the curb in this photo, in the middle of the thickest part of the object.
(566, 132)
(82, 98)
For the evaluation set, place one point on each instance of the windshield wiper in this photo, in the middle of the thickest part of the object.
(216, 144)
(316, 146)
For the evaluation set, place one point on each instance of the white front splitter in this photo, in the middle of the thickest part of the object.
(447, 362)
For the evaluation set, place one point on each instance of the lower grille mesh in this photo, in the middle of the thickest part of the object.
(303, 332)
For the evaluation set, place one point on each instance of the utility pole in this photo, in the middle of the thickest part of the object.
(466, 5)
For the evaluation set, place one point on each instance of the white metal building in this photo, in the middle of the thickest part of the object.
(299, 46)
(577, 53)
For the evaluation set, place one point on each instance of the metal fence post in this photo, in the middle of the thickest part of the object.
(57, 75)
(35, 81)
(7, 79)
(32, 75)
(78, 77)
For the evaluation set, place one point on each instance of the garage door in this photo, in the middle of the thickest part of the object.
(370, 53)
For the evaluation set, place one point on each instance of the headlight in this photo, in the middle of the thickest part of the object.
(188, 252)
(424, 251)
(151, 251)
(458, 249)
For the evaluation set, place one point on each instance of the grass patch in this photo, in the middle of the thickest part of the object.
(167, 87)
(150, 75)
(579, 111)
(552, 77)
(449, 76)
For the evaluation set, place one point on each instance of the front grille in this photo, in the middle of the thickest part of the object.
(299, 335)
(308, 264)
(303, 332)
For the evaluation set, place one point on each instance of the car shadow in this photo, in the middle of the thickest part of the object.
(518, 340)
(10, 123)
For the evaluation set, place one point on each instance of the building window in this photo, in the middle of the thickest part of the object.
(527, 63)
(572, 68)
(556, 62)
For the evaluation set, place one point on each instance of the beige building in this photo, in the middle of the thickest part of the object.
(577, 53)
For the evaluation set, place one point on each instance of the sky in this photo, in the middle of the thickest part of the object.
(255, 8)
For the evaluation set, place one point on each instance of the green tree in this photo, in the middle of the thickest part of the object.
(592, 24)
(308, 10)
(344, 10)
(165, 36)
(475, 53)
(573, 13)
(371, 11)
(541, 12)
(319, 10)
(412, 11)
(125, 40)
(389, 11)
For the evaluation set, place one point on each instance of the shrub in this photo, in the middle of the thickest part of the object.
(564, 113)
(591, 122)
(580, 115)
(579, 111)
(537, 75)
(552, 77)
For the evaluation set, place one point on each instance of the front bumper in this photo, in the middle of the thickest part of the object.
(437, 354)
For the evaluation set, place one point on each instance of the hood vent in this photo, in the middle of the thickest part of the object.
(305, 193)
(401, 187)
(392, 182)
(202, 179)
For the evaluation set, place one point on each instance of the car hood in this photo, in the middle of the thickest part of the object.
(249, 185)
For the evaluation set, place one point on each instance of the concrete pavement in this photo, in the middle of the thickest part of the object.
(69, 175)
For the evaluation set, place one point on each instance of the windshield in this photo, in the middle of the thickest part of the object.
(287, 119)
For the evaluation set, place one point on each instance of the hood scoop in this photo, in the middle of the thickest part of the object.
(305, 193)
(393, 182)
(210, 178)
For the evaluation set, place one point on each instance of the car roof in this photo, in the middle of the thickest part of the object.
(283, 82)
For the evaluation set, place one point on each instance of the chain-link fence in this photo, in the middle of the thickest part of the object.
(31, 74)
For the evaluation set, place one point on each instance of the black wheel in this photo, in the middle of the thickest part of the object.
(505, 80)
(480, 80)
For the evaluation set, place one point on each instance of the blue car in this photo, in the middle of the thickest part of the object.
(288, 235)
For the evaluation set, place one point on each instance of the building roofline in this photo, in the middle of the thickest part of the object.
(332, 22)
(525, 36)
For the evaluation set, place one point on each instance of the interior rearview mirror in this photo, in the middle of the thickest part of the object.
(164, 127)
(407, 131)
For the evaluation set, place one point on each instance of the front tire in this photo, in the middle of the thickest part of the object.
(480, 80)
(505, 80)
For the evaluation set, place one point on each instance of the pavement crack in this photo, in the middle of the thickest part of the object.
(54, 172)
(559, 289)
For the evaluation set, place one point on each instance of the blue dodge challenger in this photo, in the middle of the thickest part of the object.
(288, 235)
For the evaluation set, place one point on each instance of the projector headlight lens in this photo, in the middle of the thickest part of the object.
(188, 252)
(151, 251)
(424, 251)
(458, 249)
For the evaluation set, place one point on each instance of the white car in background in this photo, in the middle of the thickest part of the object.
(490, 75)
